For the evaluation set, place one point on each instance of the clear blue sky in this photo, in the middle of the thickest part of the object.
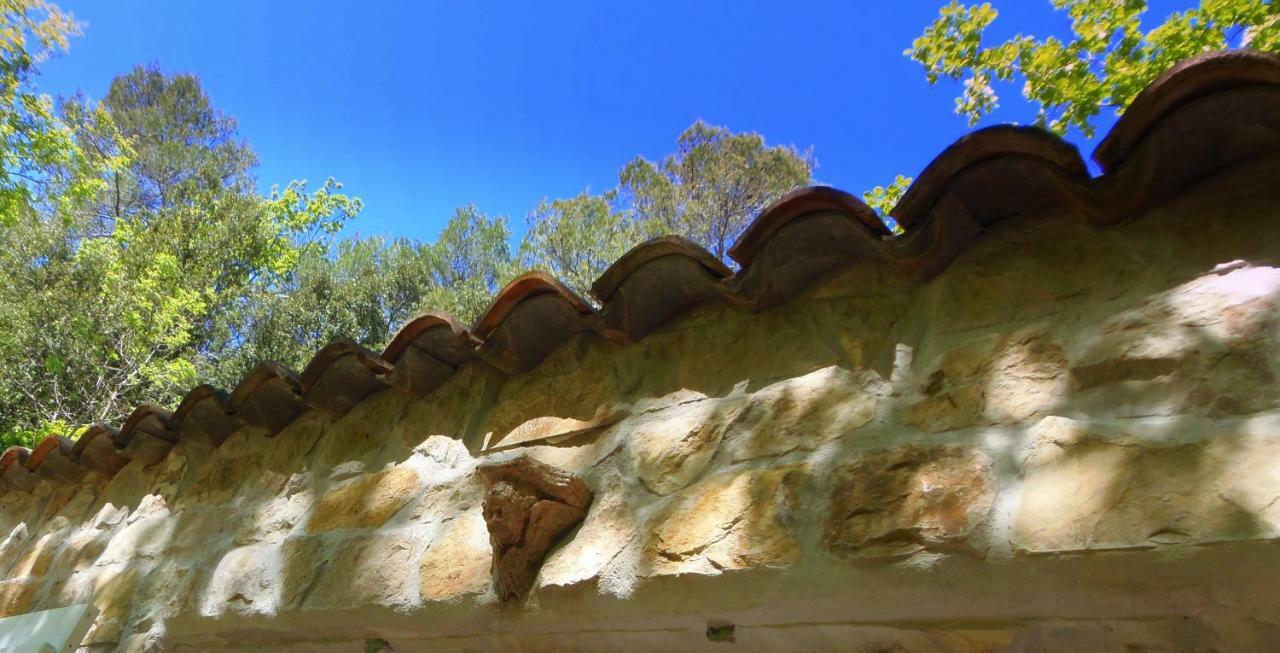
(419, 107)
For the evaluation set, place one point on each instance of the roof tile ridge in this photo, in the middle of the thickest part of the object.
(1184, 82)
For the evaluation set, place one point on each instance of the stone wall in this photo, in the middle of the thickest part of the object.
(1066, 440)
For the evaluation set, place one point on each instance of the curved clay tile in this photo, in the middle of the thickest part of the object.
(996, 173)
(796, 205)
(52, 459)
(14, 474)
(146, 434)
(1193, 141)
(1186, 81)
(529, 317)
(806, 235)
(656, 281)
(14, 454)
(426, 352)
(342, 375)
(204, 417)
(98, 449)
(269, 398)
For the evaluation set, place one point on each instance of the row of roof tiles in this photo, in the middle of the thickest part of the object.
(1201, 116)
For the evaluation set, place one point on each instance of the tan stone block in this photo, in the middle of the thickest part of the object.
(38, 556)
(1002, 378)
(672, 447)
(1144, 483)
(366, 569)
(1026, 378)
(145, 538)
(458, 560)
(801, 413)
(82, 549)
(112, 598)
(896, 502)
(365, 502)
(251, 580)
(16, 596)
(167, 590)
(273, 519)
(609, 527)
(733, 520)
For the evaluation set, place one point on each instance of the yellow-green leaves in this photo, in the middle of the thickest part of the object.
(1105, 63)
(41, 164)
(883, 198)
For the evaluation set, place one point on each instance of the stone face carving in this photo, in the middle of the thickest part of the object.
(528, 505)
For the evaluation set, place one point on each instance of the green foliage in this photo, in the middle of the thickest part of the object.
(883, 198)
(41, 165)
(469, 263)
(141, 288)
(1106, 62)
(576, 239)
(711, 188)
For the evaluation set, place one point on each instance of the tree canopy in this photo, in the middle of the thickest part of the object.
(1107, 60)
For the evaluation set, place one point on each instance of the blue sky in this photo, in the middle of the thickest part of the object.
(419, 107)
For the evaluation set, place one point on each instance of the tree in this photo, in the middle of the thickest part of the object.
(711, 188)
(33, 142)
(1106, 62)
(469, 263)
(143, 291)
(577, 238)
(364, 290)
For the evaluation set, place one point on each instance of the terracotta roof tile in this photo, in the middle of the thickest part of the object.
(655, 282)
(528, 318)
(342, 375)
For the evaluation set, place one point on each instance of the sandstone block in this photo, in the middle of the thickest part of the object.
(896, 502)
(365, 502)
(733, 520)
(458, 560)
(366, 569)
(672, 447)
(1145, 483)
(801, 413)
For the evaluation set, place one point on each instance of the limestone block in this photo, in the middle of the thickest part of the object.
(365, 502)
(366, 569)
(203, 528)
(1207, 346)
(146, 538)
(82, 549)
(897, 502)
(17, 596)
(273, 519)
(166, 590)
(672, 447)
(733, 520)
(458, 559)
(1145, 483)
(248, 579)
(1002, 378)
(608, 528)
(801, 413)
(38, 556)
(112, 597)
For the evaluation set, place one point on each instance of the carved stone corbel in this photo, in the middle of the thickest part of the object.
(528, 506)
